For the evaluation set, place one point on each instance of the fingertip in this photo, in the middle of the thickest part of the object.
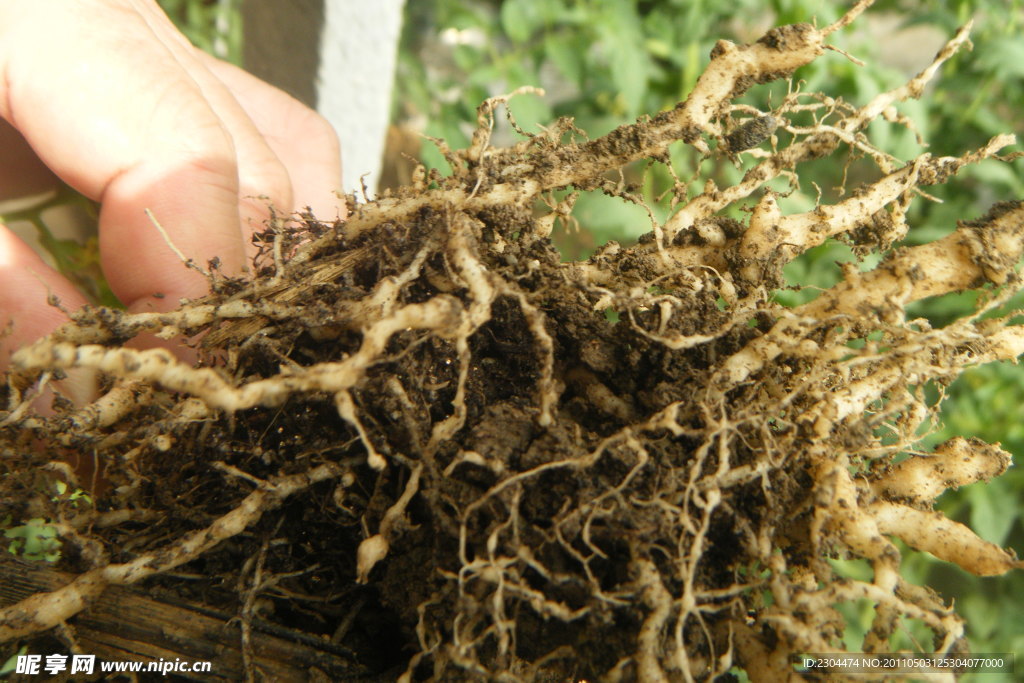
(34, 301)
(193, 212)
(33, 296)
(302, 140)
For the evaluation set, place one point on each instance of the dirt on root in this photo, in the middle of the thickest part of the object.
(423, 436)
(589, 496)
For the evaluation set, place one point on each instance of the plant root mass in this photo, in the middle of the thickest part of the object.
(421, 434)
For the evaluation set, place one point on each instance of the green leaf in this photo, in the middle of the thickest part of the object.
(993, 511)
(622, 38)
(608, 218)
(35, 540)
(566, 53)
(997, 174)
(519, 19)
(1004, 57)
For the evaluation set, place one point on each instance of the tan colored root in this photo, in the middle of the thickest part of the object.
(779, 404)
(957, 462)
(948, 540)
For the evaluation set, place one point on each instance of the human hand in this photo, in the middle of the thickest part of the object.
(109, 97)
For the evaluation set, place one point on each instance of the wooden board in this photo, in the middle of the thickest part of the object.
(127, 625)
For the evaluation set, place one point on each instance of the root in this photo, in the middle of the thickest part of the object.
(46, 610)
(636, 467)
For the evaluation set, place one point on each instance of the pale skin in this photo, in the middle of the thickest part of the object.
(109, 97)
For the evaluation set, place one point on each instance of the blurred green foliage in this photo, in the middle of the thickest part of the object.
(213, 26)
(605, 62)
